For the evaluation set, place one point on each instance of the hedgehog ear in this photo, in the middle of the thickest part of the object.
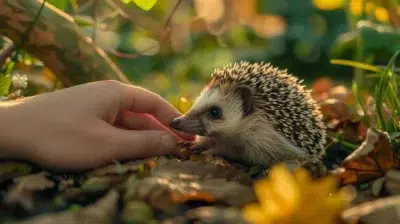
(247, 99)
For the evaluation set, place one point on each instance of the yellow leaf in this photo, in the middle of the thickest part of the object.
(329, 4)
(381, 14)
(145, 4)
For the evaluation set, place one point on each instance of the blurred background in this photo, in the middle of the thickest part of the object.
(173, 47)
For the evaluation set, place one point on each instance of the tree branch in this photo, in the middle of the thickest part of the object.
(57, 42)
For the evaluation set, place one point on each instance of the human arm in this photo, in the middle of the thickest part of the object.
(88, 125)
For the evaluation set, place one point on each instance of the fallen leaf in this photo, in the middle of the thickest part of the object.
(192, 196)
(214, 214)
(95, 184)
(339, 92)
(9, 170)
(320, 88)
(102, 211)
(24, 187)
(65, 184)
(173, 182)
(392, 183)
(335, 109)
(376, 211)
(137, 212)
(120, 169)
(376, 186)
(371, 160)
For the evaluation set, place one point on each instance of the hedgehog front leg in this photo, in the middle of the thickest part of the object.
(316, 167)
(201, 143)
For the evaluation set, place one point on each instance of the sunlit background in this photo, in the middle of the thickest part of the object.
(175, 55)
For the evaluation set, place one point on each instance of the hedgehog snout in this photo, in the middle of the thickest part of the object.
(188, 125)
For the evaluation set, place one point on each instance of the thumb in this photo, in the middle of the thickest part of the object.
(139, 144)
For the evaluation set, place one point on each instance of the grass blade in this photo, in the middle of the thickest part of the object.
(356, 64)
(380, 91)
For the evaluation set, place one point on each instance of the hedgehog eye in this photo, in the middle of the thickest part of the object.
(215, 112)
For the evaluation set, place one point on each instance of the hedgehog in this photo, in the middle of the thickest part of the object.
(256, 114)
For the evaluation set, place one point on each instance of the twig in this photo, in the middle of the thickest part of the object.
(167, 22)
(6, 52)
(24, 39)
(86, 6)
(25, 36)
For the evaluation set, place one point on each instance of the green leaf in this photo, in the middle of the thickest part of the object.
(5, 83)
(145, 4)
(394, 135)
(378, 38)
(368, 38)
(60, 4)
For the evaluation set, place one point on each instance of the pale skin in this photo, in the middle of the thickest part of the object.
(88, 126)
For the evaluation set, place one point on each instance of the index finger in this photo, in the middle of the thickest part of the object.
(140, 100)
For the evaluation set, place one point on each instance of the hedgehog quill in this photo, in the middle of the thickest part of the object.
(256, 114)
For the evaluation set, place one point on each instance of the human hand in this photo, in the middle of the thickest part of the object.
(87, 126)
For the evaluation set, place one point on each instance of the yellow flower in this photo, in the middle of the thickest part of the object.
(295, 198)
(357, 5)
(381, 14)
(329, 4)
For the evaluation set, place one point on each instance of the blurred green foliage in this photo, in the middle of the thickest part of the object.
(176, 59)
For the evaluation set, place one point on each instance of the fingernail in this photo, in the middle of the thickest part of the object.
(168, 142)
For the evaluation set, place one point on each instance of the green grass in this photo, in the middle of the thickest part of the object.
(384, 93)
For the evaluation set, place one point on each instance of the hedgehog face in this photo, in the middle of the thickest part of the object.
(216, 112)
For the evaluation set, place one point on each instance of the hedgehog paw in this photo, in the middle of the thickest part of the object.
(316, 167)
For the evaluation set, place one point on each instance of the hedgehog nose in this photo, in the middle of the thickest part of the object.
(175, 123)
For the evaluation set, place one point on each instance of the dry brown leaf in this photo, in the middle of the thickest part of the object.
(392, 183)
(24, 187)
(192, 196)
(372, 159)
(335, 109)
(374, 211)
(209, 214)
(173, 182)
(341, 93)
(126, 168)
(103, 211)
(322, 85)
